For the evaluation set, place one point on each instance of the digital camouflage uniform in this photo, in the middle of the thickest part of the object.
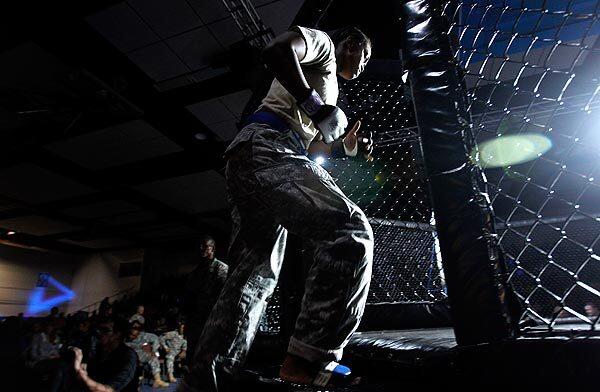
(273, 187)
(143, 356)
(176, 344)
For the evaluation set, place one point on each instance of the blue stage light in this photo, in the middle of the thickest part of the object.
(37, 303)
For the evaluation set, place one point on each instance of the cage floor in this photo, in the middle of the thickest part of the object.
(430, 357)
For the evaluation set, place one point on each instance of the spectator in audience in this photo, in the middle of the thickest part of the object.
(41, 348)
(43, 358)
(104, 304)
(53, 313)
(202, 289)
(591, 310)
(175, 345)
(138, 316)
(146, 346)
(112, 366)
(82, 337)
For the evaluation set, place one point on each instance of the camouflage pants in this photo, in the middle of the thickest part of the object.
(170, 360)
(274, 188)
(150, 359)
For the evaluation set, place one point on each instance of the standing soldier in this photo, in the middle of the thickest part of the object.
(202, 289)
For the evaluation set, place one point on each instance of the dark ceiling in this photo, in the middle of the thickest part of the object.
(114, 115)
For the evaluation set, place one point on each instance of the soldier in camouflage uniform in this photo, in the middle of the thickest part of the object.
(274, 187)
(146, 346)
(176, 346)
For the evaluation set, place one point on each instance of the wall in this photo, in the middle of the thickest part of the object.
(97, 276)
(19, 269)
(92, 277)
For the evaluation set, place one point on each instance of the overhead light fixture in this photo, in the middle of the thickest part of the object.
(11, 232)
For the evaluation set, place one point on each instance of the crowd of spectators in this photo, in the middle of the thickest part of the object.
(98, 351)
(132, 340)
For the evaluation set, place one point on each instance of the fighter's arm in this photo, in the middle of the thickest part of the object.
(282, 57)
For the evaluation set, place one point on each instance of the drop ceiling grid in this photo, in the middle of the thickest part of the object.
(120, 144)
(158, 36)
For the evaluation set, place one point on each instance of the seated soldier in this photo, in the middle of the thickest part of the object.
(146, 346)
(175, 345)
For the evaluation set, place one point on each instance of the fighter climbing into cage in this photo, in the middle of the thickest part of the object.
(274, 188)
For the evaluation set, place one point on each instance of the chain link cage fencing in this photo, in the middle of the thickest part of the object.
(531, 72)
(392, 191)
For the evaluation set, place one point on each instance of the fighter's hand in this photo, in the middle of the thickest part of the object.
(332, 122)
(328, 119)
(362, 142)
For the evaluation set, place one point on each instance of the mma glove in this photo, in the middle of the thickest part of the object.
(329, 119)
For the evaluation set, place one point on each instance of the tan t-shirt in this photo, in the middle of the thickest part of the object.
(320, 69)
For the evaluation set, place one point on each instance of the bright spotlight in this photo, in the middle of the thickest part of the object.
(511, 150)
(320, 160)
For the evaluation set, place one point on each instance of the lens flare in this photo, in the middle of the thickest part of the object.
(511, 150)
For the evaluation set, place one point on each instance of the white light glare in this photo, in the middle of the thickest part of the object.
(320, 160)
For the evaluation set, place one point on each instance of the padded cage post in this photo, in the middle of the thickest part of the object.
(472, 262)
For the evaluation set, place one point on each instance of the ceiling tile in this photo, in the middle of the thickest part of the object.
(129, 218)
(124, 143)
(158, 61)
(28, 66)
(236, 102)
(258, 3)
(100, 243)
(36, 225)
(225, 130)
(122, 27)
(102, 209)
(167, 18)
(226, 31)
(279, 15)
(196, 48)
(184, 80)
(32, 184)
(209, 10)
(211, 111)
(194, 193)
